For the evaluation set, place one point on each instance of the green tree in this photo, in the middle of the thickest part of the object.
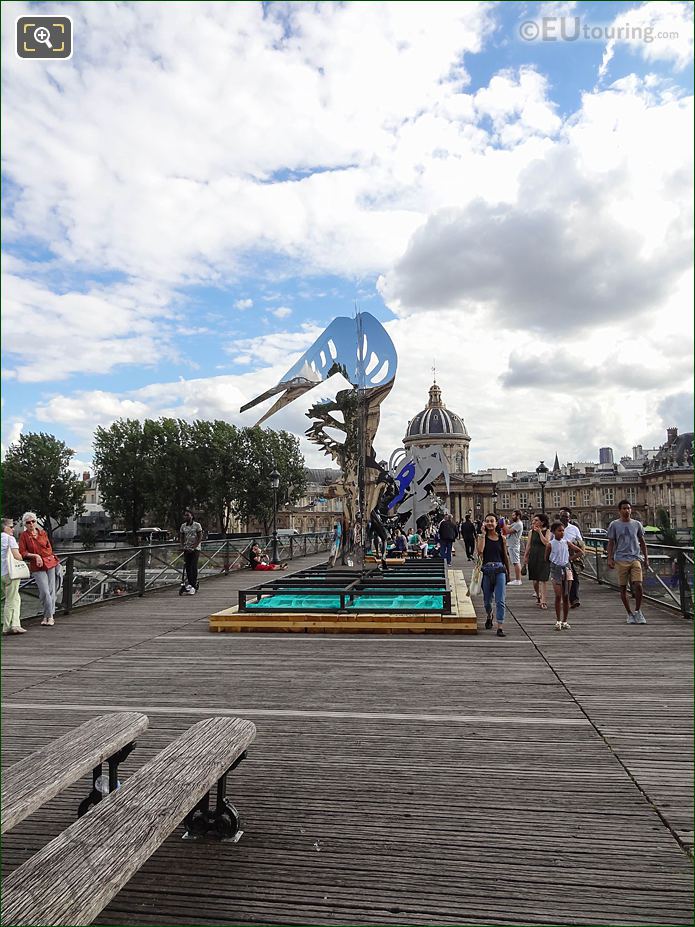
(667, 535)
(261, 451)
(218, 470)
(123, 455)
(174, 470)
(37, 477)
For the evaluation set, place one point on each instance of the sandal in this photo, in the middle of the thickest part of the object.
(543, 605)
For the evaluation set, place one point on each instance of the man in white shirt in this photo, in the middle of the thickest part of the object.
(573, 534)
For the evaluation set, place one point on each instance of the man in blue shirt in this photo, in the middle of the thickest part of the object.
(625, 542)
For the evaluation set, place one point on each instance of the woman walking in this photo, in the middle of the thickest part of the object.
(11, 603)
(36, 549)
(534, 558)
(492, 547)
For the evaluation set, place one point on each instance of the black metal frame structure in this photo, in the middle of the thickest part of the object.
(415, 578)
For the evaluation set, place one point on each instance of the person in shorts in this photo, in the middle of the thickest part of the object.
(558, 551)
(625, 543)
(573, 534)
(514, 531)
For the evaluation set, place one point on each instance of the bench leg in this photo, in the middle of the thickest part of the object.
(96, 794)
(221, 824)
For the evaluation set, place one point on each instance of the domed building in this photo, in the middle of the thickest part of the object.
(438, 425)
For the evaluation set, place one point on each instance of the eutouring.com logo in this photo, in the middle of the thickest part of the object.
(572, 29)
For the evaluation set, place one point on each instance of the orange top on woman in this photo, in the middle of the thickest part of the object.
(37, 544)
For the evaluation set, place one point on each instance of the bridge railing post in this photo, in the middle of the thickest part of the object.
(142, 563)
(68, 580)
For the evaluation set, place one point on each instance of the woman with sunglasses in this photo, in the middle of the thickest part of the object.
(36, 549)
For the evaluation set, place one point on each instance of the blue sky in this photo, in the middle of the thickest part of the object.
(192, 197)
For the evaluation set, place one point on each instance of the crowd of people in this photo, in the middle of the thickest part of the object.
(552, 553)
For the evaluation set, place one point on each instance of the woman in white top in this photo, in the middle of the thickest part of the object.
(11, 603)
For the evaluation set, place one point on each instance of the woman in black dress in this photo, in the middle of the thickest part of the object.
(534, 557)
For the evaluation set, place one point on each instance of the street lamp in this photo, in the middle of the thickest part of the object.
(275, 483)
(542, 474)
(495, 497)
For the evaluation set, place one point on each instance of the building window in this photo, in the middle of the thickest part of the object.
(556, 498)
(586, 496)
(523, 500)
(539, 499)
(631, 493)
(505, 500)
(572, 497)
(459, 462)
(608, 495)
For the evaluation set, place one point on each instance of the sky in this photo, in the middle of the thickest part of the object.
(192, 197)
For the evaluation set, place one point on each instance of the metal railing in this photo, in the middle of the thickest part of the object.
(668, 580)
(94, 576)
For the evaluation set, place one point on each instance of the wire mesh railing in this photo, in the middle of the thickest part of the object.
(90, 577)
(668, 578)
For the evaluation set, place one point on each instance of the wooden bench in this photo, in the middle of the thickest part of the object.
(38, 778)
(75, 876)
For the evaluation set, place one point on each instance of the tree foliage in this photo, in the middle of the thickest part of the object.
(261, 451)
(162, 467)
(667, 535)
(37, 477)
(123, 466)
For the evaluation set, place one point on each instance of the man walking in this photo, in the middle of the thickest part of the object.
(190, 534)
(468, 535)
(625, 541)
(574, 535)
(447, 536)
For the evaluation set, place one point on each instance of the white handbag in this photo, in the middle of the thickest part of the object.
(16, 569)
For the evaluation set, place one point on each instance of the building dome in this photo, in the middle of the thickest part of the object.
(436, 425)
(436, 420)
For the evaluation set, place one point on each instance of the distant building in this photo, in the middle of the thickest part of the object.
(667, 480)
(605, 455)
(439, 426)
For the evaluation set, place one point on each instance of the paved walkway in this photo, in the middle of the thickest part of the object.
(543, 778)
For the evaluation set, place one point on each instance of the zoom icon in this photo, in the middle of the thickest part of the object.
(44, 37)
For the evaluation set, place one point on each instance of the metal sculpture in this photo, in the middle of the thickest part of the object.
(362, 352)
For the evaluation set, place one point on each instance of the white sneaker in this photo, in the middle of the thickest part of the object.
(516, 582)
(632, 619)
(558, 625)
(639, 617)
(190, 591)
(566, 626)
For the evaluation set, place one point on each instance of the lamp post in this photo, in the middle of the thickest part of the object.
(495, 497)
(542, 474)
(275, 483)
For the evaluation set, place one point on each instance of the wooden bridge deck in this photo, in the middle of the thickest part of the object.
(540, 779)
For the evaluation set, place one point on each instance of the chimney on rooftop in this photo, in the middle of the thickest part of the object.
(671, 435)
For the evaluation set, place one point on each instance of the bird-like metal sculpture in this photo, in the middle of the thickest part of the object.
(361, 350)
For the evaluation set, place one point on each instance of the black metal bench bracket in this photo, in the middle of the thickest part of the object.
(222, 824)
(95, 796)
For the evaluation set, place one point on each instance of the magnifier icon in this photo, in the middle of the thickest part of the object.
(43, 36)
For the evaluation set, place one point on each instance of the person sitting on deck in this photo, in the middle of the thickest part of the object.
(401, 543)
(259, 561)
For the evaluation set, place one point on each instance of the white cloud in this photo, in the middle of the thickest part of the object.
(11, 435)
(50, 335)
(243, 304)
(657, 31)
(282, 312)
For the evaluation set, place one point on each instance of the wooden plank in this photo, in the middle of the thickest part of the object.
(72, 879)
(35, 780)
